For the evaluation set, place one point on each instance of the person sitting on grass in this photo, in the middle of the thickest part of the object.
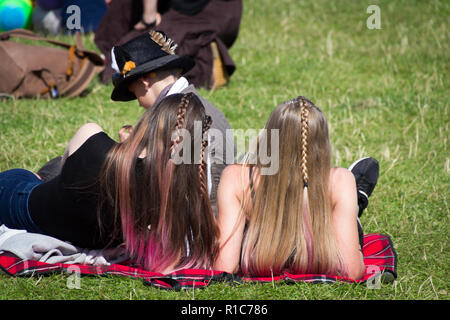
(305, 217)
(147, 69)
(108, 193)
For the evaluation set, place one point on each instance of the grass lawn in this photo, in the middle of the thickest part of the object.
(385, 94)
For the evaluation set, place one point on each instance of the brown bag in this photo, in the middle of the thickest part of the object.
(41, 71)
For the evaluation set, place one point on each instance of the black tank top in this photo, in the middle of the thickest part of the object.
(66, 206)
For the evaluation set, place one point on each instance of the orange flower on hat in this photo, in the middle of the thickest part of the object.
(129, 65)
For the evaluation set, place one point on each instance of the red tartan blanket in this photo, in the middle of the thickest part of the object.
(380, 259)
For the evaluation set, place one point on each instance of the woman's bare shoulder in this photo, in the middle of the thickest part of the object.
(342, 185)
(235, 173)
(234, 177)
(341, 175)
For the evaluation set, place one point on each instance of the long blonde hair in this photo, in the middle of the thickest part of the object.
(289, 220)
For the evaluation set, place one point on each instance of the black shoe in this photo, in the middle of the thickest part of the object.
(366, 171)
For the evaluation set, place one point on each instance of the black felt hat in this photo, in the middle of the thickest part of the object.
(148, 52)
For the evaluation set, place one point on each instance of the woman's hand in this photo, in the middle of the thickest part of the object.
(150, 15)
(125, 132)
(141, 26)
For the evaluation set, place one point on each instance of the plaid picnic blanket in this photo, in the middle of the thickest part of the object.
(380, 259)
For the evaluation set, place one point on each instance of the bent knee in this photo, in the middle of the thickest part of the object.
(85, 132)
(90, 128)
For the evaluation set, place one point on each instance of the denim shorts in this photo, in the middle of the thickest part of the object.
(15, 189)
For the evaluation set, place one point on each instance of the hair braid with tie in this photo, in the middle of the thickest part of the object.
(304, 113)
(181, 112)
(206, 124)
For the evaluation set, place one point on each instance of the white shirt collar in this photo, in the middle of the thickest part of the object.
(178, 86)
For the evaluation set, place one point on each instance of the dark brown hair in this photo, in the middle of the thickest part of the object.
(165, 216)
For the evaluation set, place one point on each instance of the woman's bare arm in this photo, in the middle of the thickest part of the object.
(231, 222)
(345, 214)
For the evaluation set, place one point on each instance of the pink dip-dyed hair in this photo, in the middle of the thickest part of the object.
(164, 212)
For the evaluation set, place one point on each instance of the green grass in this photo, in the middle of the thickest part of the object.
(385, 93)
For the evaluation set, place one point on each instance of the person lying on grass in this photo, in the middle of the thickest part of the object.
(147, 70)
(303, 218)
(132, 192)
